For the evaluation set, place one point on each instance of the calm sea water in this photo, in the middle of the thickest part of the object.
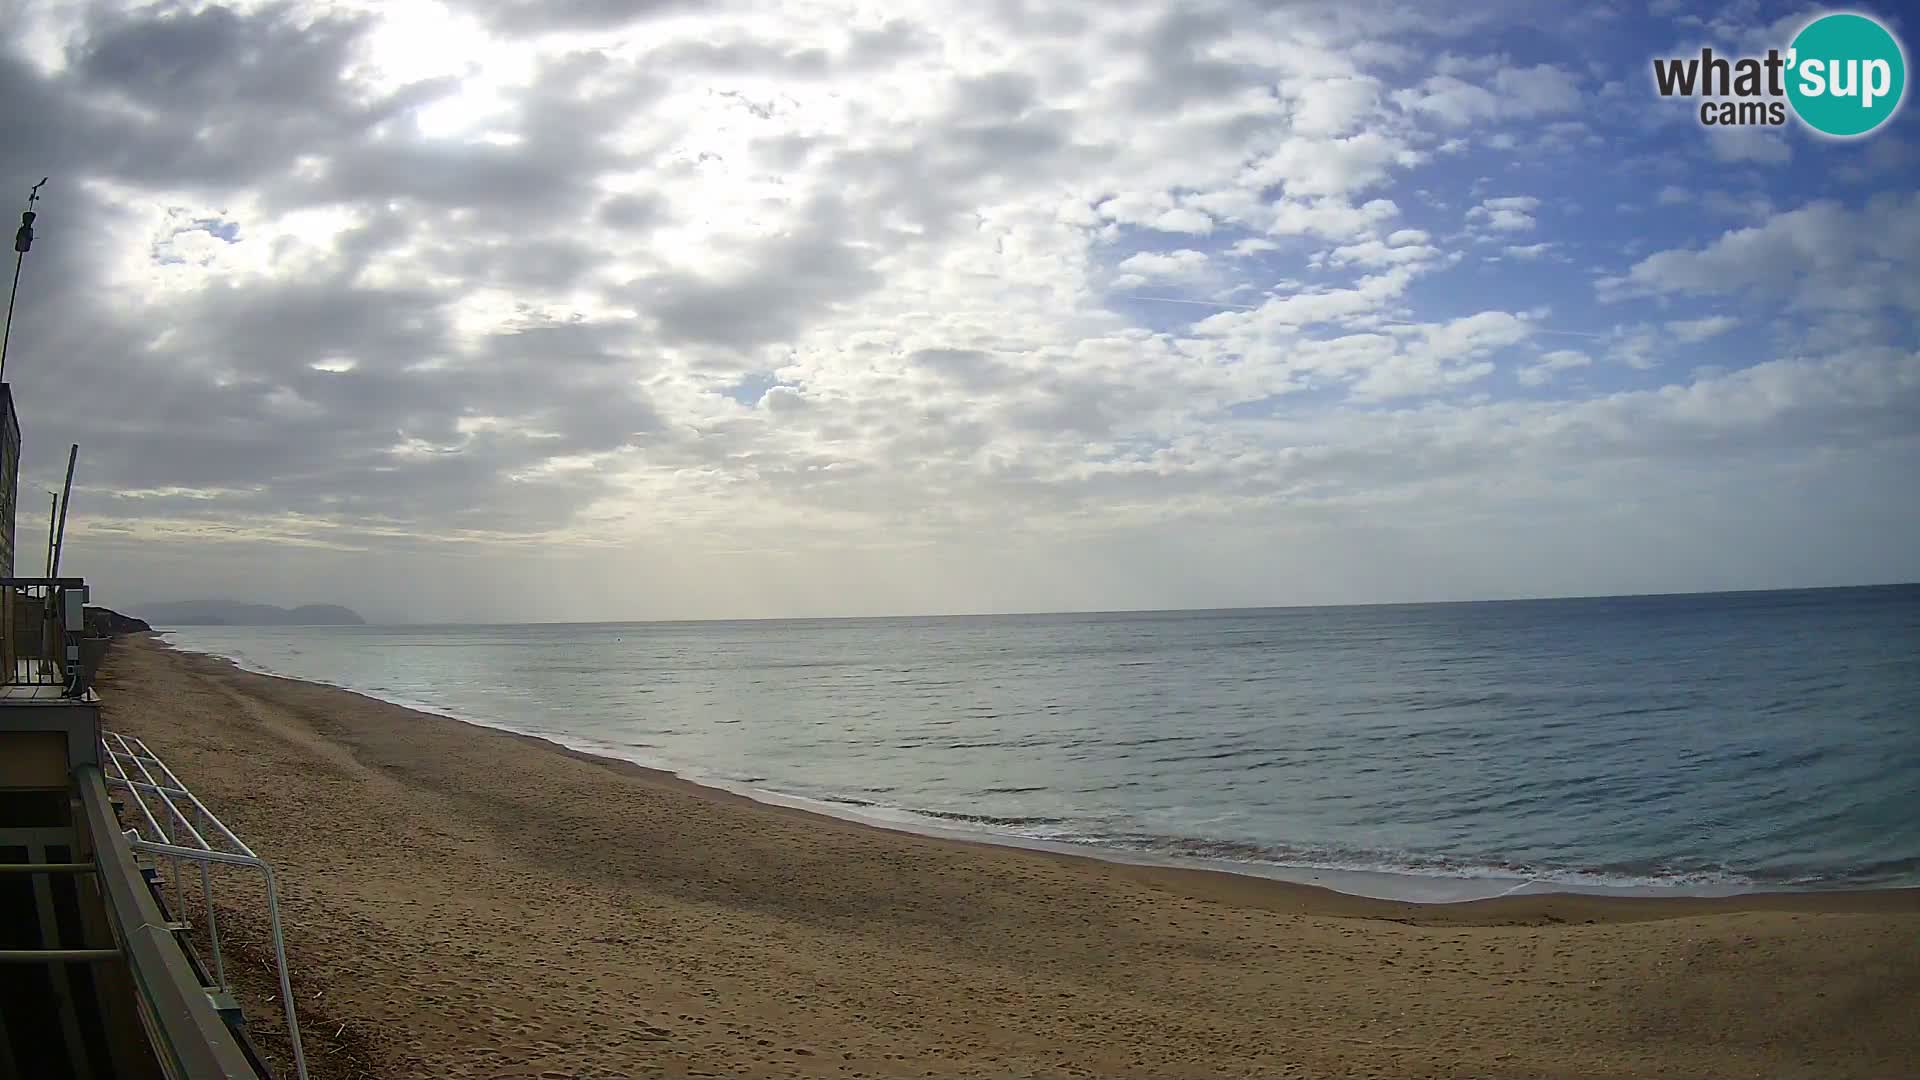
(1708, 742)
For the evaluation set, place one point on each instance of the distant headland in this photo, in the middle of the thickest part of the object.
(230, 613)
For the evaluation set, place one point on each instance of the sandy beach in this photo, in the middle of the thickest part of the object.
(463, 902)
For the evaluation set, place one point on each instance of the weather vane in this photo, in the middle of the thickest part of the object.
(23, 239)
(22, 243)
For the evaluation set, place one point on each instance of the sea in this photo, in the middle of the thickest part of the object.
(1708, 744)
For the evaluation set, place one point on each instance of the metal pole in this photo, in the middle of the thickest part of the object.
(286, 984)
(66, 500)
(8, 335)
(213, 928)
(22, 241)
(52, 516)
(43, 956)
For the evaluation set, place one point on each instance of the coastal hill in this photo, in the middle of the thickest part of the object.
(106, 622)
(230, 613)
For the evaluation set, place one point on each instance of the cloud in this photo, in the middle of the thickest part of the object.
(1169, 264)
(779, 284)
(1512, 93)
(753, 312)
(1695, 330)
(1509, 214)
(1822, 256)
(1880, 156)
(1543, 371)
(1184, 219)
(1749, 144)
(538, 16)
(1404, 246)
(1316, 167)
(1183, 266)
(1331, 107)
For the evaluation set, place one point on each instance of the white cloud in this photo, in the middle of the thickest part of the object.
(1327, 107)
(1337, 166)
(1377, 253)
(1512, 93)
(1333, 219)
(1640, 347)
(1184, 219)
(1695, 330)
(1283, 316)
(1508, 214)
(1184, 263)
(1542, 371)
(1822, 256)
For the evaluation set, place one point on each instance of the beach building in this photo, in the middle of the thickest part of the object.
(103, 855)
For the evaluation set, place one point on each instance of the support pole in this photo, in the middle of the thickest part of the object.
(53, 516)
(6, 337)
(66, 500)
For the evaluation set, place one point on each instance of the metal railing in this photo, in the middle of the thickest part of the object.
(182, 835)
(188, 1037)
(43, 634)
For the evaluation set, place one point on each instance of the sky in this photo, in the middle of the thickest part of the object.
(531, 310)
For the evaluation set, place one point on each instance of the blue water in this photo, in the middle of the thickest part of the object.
(1706, 742)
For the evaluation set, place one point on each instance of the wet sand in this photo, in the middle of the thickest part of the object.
(463, 902)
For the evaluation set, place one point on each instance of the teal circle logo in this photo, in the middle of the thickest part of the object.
(1846, 75)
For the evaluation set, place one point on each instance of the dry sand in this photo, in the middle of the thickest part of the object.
(468, 903)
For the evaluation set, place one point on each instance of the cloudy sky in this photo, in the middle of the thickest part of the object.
(602, 309)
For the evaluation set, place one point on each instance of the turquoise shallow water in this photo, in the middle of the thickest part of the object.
(1706, 743)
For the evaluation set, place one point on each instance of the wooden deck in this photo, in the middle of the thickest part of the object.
(38, 681)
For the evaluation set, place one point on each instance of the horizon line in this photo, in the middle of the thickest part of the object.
(1043, 613)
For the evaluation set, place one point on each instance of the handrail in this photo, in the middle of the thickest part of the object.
(189, 842)
(187, 1034)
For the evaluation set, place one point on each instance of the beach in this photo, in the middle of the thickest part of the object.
(466, 902)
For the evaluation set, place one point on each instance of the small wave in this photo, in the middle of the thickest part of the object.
(1010, 822)
(1414, 864)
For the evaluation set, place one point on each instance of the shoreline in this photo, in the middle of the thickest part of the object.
(1397, 886)
(465, 902)
(1448, 892)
